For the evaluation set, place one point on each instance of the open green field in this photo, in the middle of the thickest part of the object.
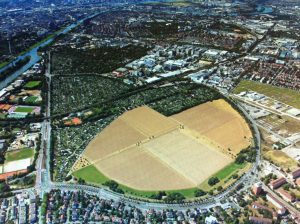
(229, 170)
(91, 175)
(285, 95)
(224, 175)
(31, 99)
(20, 154)
(24, 109)
(32, 84)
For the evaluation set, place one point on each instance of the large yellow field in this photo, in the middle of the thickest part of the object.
(186, 154)
(112, 139)
(129, 129)
(139, 169)
(145, 150)
(220, 123)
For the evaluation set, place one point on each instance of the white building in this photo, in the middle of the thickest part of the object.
(211, 220)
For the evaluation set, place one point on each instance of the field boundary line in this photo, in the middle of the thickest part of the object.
(170, 167)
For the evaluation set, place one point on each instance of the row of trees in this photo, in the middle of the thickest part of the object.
(114, 186)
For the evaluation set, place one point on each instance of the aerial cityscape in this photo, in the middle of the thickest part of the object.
(150, 111)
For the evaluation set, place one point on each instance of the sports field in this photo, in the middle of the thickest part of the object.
(31, 99)
(24, 109)
(285, 95)
(32, 84)
(147, 151)
(19, 154)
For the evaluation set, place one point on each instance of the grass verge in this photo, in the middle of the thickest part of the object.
(3, 64)
(225, 176)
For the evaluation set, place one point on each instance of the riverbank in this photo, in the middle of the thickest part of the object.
(33, 52)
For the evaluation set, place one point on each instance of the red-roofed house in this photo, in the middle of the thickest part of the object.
(295, 173)
(286, 195)
(281, 210)
(5, 176)
(277, 183)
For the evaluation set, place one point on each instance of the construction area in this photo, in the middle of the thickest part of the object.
(145, 150)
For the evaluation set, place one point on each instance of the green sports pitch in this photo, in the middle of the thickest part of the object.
(24, 109)
(19, 154)
(32, 84)
(31, 99)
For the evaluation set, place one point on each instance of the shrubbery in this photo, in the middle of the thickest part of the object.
(199, 193)
(213, 180)
(174, 197)
(114, 186)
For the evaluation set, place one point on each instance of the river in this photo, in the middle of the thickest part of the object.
(33, 53)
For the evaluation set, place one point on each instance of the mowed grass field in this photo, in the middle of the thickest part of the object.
(91, 175)
(285, 95)
(229, 170)
(32, 84)
(187, 193)
(24, 109)
(224, 175)
(19, 154)
(31, 99)
(145, 151)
